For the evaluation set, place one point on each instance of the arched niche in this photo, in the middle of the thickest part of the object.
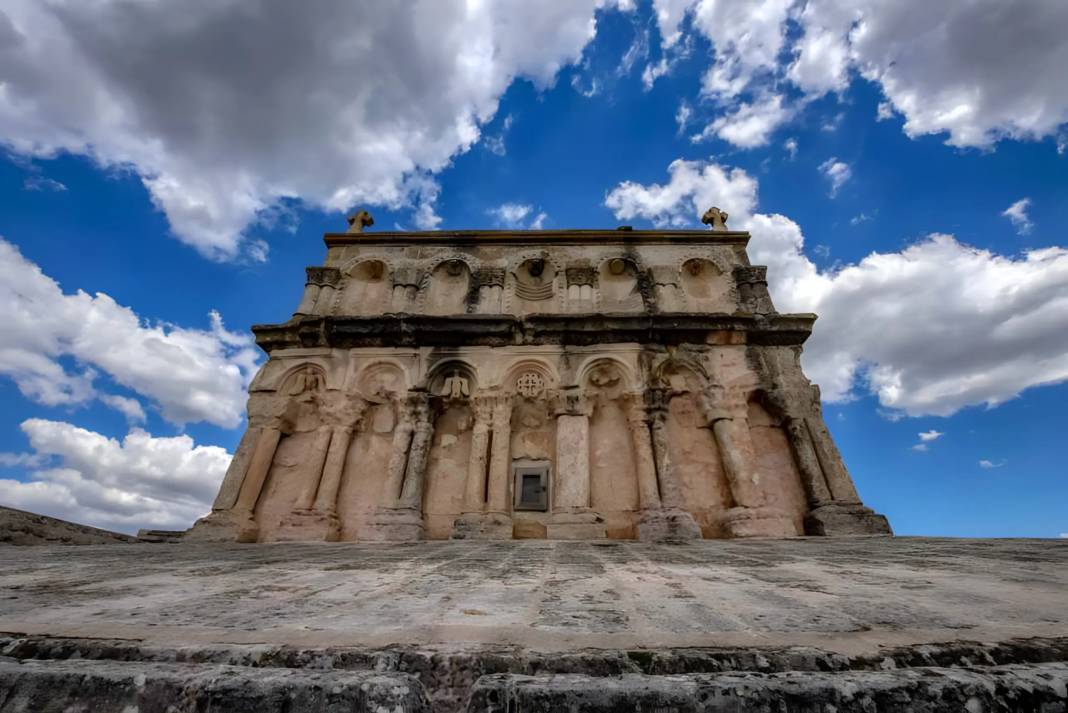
(679, 374)
(448, 288)
(534, 285)
(381, 384)
(705, 286)
(774, 460)
(452, 379)
(613, 473)
(617, 284)
(367, 289)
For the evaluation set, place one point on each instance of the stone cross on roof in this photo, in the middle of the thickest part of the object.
(359, 221)
(715, 218)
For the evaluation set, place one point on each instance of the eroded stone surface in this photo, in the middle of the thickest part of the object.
(123, 687)
(850, 595)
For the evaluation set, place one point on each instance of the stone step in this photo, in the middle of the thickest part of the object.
(149, 687)
(1029, 687)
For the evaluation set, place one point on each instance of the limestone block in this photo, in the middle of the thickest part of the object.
(667, 525)
(759, 522)
(394, 525)
(845, 519)
(482, 526)
(575, 525)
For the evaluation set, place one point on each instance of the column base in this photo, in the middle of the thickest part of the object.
(845, 519)
(759, 522)
(394, 525)
(575, 525)
(224, 526)
(308, 526)
(482, 526)
(667, 525)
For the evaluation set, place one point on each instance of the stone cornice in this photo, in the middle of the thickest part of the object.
(411, 330)
(534, 237)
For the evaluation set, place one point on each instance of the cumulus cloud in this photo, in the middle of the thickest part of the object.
(189, 374)
(928, 59)
(519, 216)
(748, 124)
(141, 481)
(986, 464)
(928, 330)
(223, 109)
(1017, 213)
(932, 435)
(790, 145)
(837, 172)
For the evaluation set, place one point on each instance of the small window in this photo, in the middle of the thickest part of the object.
(532, 486)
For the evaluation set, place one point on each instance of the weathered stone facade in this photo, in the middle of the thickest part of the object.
(535, 384)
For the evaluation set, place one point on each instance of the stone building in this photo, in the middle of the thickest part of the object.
(570, 384)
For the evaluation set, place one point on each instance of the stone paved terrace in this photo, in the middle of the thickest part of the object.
(860, 624)
(845, 595)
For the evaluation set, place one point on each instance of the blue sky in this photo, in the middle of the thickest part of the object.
(178, 170)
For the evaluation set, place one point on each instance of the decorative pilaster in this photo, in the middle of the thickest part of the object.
(500, 475)
(418, 454)
(664, 519)
(476, 523)
(399, 518)
(751, 282)
(750, 516)
(405, 289)
(326, 280)
(835, 507)
(489, 281)
(581, 287)
(572, 518)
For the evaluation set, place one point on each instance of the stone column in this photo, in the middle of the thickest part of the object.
(326, 499)
(311, 293)
(486, 506)
(838, 479)
(419, 452)
(475, 486)
(398, 459)
(489, 281)
(326, 279)
(750, 516)
(235, 473)
(572, 518)
(668, 521)
(657, 400)
(500, 470)
(642, 445)
(313, 467)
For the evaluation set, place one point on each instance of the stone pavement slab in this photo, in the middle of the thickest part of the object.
(848, 595)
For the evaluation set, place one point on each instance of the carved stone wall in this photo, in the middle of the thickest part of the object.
(645, 378)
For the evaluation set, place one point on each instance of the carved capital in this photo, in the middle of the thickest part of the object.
(664, 275)
(570, 402)
(580, 275)
(407, 277)
(323, 276)
(488, 277)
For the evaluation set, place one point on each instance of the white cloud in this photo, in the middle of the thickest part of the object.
(683, 115)
(37, 182)
(859, 218)
(837, 172)
(932, 435)
(515, 215)
(791, 147)
(1017, 213)
(925, 58)
(929, 330)
(189, 374)
(749, 124)
(141, 481)
(921, 448)
(884, 112)
(224, 109)
(989, 464)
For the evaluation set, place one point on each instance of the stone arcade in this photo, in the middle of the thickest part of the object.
(574, 384)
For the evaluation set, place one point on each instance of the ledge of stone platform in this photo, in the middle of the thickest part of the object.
(1038, 687)
(119, 687)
